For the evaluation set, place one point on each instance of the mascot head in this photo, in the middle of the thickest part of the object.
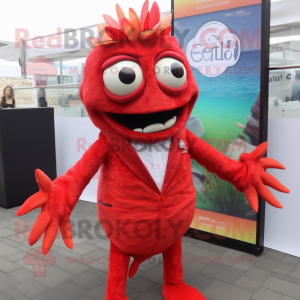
(137, 80)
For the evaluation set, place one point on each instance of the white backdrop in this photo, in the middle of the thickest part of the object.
(72, 137)
(282, 226)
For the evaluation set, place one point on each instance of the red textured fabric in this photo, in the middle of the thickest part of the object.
(113, 60)
(154, 15)
(144, 14)
(172, 91)
(169, 54)
(136, 197)
(128, 98)
(153, 99)
(174, 288)
(116, 34)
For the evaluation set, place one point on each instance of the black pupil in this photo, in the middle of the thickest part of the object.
(127, 75)
(177, 70)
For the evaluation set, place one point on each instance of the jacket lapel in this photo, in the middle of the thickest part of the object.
(127, 154)
(174, 157)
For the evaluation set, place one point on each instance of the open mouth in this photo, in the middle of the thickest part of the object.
(148, 123)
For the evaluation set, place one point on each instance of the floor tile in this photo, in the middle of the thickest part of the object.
(87, 280)
(6, 281)
(30, 288)
(282, 287)
(223, 272)
(140, 284)
(265, 294)
(21, 274)
(70, 265)
(65, 291)
(7, 266)
(223, 291)
(249, 283)
(4, 296)
(53, 277)
(201, 280)
(15, 294)
(6, 249)
(155, 292)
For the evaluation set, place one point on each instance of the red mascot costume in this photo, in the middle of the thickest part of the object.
(138, 88)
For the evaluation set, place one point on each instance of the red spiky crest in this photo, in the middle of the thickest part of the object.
(150, 25)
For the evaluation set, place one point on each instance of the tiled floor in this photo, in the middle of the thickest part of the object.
(219, 273)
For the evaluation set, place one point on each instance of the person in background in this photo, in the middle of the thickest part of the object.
(8, 100)
(41, 94)
(296, 89)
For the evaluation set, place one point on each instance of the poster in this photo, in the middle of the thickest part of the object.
(222, 41)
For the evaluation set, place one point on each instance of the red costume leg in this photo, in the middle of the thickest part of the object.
(117, 274)
(174, 288)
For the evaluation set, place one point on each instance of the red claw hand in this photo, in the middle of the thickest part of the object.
(54, 213)
(254, 177)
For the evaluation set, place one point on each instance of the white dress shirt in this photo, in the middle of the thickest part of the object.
(155, 158)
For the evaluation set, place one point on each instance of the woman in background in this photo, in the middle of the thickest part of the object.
(8, 100)
(41, 94)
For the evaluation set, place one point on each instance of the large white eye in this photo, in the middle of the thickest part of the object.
(170, 72)
(123, 78)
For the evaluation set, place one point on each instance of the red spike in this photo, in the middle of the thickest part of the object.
(152, 36)
(104, 43)
(39, 227)
(166, 31)
(271, 181)
(144, 14)
(102, 33)
(252, 198)
(147, 34)
(267, 163)
(134, 19)
(259, 152)
(154, 15)
(146, 26)
(94, 40)
(111, 22)
(129, 30)
(43, 181)
(120, 13)
(49, 236)
(37, 200)
(134, 267)
(267, 196)
(66, 232)
(115, 34)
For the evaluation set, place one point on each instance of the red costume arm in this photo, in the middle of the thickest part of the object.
(58, 198)
(247, 175)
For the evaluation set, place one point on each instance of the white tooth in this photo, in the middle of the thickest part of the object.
(138, 130)
(175, 118)
(154, 128)
(170, 123)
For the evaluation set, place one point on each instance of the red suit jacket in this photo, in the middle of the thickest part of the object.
(126, 188)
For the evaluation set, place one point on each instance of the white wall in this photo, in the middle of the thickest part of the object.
(69, 132)
(282, 226)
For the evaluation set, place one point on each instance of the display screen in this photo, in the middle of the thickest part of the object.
(222, 41)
